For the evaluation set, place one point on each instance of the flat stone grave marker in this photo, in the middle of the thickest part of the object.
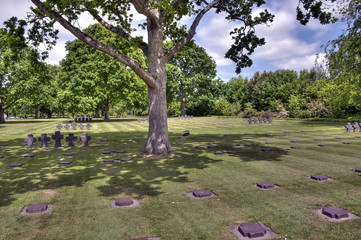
(200, 147)
(103, 140)
(335, 212)
(1, 156)
(252, 230)
(286, 132)
(266, 149)
(36, 209)
(317, 139)
(3, 145)
(202, 193)
(227, 135)
(68, 154)
(265, 185)
(29, 155)
(232, 152)
(123, 160)
(268, 142)
(319, 177)
(295, 147)
(16, 165)
(108, 160)
(147, 238)
(57, 137)
(71, 140)
(120, 151)
(294, 141)
(242, 145)
(30, 141)
(347, 143)
(107, 152)
(64, 163)
(303, 131)
(358, 170)
(219, 153)
(338, 138)
(211, 146)
(125, 202)
(44, 139)
(322, 145)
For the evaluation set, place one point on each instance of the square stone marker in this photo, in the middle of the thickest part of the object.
(232, 152)
(16, 165)
(319, 177)
(211, 146)
(36, 208)
(120, 151)
(265, 149)
(252, 230)
(322, 145)
(347, 143)
(68, 154)
(219, 153)
(358, 170)
(242, 145)
(295, 147)
(200, 147)
(107, 152)
(202, 193)
(335, 212)
(125, 159)
(3, 145)
(29, 155)
(317, 139)
(268, 142)
(108, 160)
(125, 202)
(338, 138)
(64, 163)
(286, 132)
(265, 185)
(1, 156)
(294, 141)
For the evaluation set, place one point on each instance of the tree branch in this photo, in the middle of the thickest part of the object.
(191, 33)
(119, 32)
(134, 65)
(142, 7)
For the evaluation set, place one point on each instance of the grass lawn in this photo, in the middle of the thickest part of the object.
(81, 193)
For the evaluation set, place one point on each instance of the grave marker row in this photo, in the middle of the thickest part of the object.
(71, 139)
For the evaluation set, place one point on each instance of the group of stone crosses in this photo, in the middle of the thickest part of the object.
(73, 125)
(260, 120)
(83, 119)
(44, 139)
(185, 117)
(355, 126)
(143, 120)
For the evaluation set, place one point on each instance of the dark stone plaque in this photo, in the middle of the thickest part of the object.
(317, 139)
(1, 156)
(37, 208)
(252, 230)
(358, 170)
(202, 193)
(200, 147)
(338, 138)
(294, 141)
(108, 160)
(295, 147)
(107, 152)
(335, 212)
(123, 202)
(120, 151)
(322, 145)
(265, 149)
(219, 153)
(15, 165)
(268, 142)
(347, 143)
(265, 185)
(64, 163)
(68, 154)
(29, 155)
(211, 146)
(3, 145)
(125, 159)
(232, 152)
(319, 177)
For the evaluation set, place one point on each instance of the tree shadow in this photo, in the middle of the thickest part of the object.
(142, 176)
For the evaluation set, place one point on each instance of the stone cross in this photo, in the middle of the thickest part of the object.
(250, 121)
(139, 120)
(59, 127)
(81, 126)
(348, 127)
(44, 140)
(74, 125)
(264, 120)
(57, 137)
(71, 139)
(67, 126)
(85, 138)
(270, 120)
(30, 141)
(255, 121)
(260, 120)
(88, 125)
(355, 126)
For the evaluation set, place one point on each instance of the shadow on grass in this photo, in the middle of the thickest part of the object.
(143, 176)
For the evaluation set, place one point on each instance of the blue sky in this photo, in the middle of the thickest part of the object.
(289, 45)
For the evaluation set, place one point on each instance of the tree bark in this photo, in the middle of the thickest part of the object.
(36, 112)
(106, 110)
(2, 117)
(183, 105)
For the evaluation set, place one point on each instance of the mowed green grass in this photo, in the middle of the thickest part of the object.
(81, 193)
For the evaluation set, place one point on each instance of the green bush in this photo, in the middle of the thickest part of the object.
(174, 108)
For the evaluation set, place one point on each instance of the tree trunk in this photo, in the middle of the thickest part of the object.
(36, 112)
(2, 117)
(158, 140)
(183, 105)
(106, 110)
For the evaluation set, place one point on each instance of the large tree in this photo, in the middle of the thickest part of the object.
(162, 19)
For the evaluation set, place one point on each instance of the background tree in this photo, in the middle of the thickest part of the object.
(90, 79)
